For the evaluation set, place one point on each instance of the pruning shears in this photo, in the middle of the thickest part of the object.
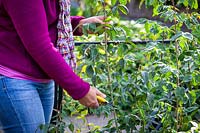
(102, 101)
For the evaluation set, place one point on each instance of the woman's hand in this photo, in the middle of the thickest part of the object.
(90, 99)
(94, 19)
(89, 21)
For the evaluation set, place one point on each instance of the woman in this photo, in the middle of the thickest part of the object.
(29, 61)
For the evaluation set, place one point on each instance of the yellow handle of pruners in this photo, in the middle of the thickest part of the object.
(101, 99)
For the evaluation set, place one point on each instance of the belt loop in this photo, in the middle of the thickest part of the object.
(2, 82)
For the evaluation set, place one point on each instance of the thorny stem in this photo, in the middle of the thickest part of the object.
(163, 39)
(177, 63)
(108, 69)
(189, 69)
(177, 82)
(177, 77)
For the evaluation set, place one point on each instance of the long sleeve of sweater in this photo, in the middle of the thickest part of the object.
(29, 19)
(75, 21)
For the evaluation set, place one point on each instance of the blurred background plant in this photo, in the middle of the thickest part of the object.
(153, 87)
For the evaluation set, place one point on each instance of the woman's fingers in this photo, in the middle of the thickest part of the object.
(99, 93)
(94, 19)
(90, 100)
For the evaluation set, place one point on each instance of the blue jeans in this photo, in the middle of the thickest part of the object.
(25, 105)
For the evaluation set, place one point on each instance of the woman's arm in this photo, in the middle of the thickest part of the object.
(29, 20)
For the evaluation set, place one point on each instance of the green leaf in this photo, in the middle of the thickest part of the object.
(113, 2)
(124, 2)
(145, 76)
(196, 31)
(71, 127)
(142, 113)
(84, 113)
(180, 93)
(94, 53)
(121, 63)
(185, 3)
(192, 96)
(94, 79)
(191, 109)
(101, 51)
(130, 57)
(123, 9)
(195, 6)
(176, 36)
(115, 11)
(120, 51)
(89, 71)
(188, 35)
(187, 78)
(147, 27)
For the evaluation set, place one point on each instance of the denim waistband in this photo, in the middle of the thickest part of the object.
(1, 76)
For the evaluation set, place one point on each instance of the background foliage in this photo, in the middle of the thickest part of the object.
(152, 87)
